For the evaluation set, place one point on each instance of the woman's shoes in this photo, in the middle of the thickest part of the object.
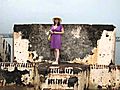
(56, 62)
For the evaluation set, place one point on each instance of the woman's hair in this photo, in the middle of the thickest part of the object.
(57, 23)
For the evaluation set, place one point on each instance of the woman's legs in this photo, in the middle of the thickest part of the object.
(57, 53)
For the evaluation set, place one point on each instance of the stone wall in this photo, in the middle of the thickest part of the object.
(79, 41)
(104, 73)
(65, 76)
(45, 75)
(16, 74)
(106, 48)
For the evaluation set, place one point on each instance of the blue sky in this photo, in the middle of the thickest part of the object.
(71, 11)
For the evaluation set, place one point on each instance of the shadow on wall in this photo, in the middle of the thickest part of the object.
(78, 40)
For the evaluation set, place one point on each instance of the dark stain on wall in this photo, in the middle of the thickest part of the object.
(72, 81)
(13, 76)
(44, 68)
(8, 53)
(71, 47)
(24, 29)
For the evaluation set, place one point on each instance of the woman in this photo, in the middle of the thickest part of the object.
(56, 32)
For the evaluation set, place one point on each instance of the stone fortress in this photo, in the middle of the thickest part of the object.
(87, 57)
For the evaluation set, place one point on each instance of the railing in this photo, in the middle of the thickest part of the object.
(95, 66)
(30, 65)
(99, 66)
(8, 64)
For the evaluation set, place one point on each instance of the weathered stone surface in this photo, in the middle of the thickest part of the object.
(78, 40)
(13, 76)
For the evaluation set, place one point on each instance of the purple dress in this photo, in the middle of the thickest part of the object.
(56, 38)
